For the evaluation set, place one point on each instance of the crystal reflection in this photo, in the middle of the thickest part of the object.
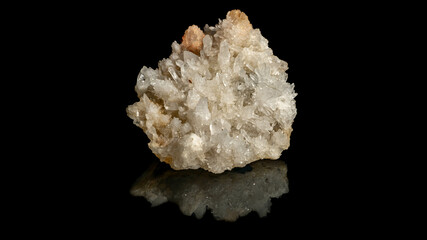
(228, 195)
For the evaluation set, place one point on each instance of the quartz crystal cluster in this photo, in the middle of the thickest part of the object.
(221, 99)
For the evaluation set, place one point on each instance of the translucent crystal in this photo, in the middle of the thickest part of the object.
(221, 100)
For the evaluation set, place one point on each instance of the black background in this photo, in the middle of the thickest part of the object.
(98, 52)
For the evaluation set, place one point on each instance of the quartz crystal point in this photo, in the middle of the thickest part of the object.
(221, 99)
(228, 196)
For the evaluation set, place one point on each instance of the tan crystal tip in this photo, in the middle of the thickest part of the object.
(238, 17)
(193, 39)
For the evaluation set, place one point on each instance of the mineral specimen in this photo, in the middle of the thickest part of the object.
(229, 195)
(219, 101)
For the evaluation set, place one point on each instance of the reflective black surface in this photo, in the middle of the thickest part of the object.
(228, 195)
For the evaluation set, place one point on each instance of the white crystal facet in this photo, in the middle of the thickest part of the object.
(220, 100)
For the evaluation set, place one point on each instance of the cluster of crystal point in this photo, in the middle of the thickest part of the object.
(219, 101)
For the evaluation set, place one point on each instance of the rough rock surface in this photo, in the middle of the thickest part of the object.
(229, 195)
(221, 100)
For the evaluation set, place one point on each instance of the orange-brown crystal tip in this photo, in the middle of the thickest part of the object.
(238, 17)
(193, 39)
